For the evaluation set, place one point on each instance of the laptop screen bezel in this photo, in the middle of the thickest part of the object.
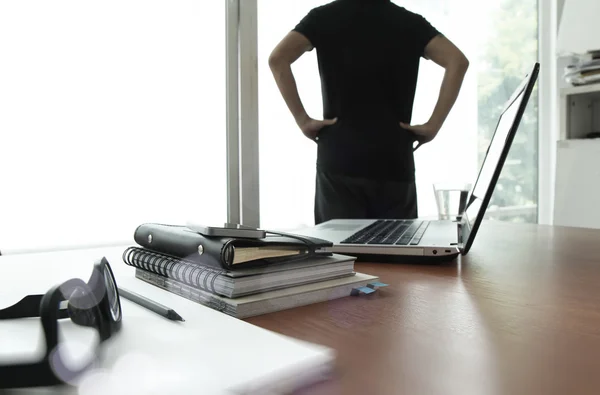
(466, 232)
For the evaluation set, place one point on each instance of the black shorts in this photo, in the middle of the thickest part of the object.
(342, 197)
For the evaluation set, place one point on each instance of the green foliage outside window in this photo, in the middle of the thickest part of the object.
(508, 56)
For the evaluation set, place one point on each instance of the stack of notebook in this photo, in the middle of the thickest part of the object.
(244, 277)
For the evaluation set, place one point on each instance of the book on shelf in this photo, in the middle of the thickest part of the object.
(228, 253)
(242, 281)
(584, 70)
(271, 301)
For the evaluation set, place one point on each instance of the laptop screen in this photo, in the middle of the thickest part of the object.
(489, 172)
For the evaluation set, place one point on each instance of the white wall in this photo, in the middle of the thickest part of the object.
(566, 154)
(551, 82)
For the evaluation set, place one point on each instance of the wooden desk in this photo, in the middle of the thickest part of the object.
(520, 314)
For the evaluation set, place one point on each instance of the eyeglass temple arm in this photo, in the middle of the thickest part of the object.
(27, 375)
(29, 306)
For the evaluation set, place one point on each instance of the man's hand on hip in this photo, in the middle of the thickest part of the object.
(423, 133)
(311, 127)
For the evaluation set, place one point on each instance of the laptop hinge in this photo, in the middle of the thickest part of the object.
(459, 236)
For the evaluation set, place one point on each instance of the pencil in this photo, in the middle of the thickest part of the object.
(150, 304)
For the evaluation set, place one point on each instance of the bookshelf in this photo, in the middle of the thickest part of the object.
(580, 111)
(577, 186)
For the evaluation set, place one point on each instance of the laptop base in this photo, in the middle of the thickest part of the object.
(405, 259)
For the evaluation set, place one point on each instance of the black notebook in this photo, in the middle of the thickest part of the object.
(229, 253)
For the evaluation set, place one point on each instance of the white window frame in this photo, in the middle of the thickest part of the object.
(242, 113)
(548, 108)
(232, 14)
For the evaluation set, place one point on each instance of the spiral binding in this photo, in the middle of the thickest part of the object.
(178, 269)
(191, 273)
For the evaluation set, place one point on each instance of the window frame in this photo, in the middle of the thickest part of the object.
(242, 113)
(548, 108)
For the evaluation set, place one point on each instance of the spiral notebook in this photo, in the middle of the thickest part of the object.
(268, 302)
(245, 281)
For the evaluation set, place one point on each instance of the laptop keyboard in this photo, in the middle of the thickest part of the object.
(390, 232)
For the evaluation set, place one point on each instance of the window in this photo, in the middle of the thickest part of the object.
(509, 53)
(287, 158)
(501, 44)
(112, 114)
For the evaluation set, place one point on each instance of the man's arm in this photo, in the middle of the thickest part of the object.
(444, 53)
(285, 53)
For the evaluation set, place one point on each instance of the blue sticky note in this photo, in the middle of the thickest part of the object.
(365, 290)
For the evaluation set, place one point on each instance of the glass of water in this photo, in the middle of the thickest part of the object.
(451, 199)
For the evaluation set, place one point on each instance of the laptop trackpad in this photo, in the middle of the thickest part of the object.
(440, 233)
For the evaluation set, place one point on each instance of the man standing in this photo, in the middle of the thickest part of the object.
(368, 53)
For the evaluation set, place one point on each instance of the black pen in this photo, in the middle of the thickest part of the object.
(150, 305)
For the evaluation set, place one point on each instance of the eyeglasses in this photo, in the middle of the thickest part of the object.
(94, 304)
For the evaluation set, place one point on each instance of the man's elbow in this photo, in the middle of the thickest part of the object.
(460, 63)
(277, 62)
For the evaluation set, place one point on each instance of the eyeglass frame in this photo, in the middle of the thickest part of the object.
(92, 307)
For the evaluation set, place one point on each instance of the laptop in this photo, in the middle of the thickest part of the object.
(417, 240)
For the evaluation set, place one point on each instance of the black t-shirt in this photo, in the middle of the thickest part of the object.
(368, 53)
